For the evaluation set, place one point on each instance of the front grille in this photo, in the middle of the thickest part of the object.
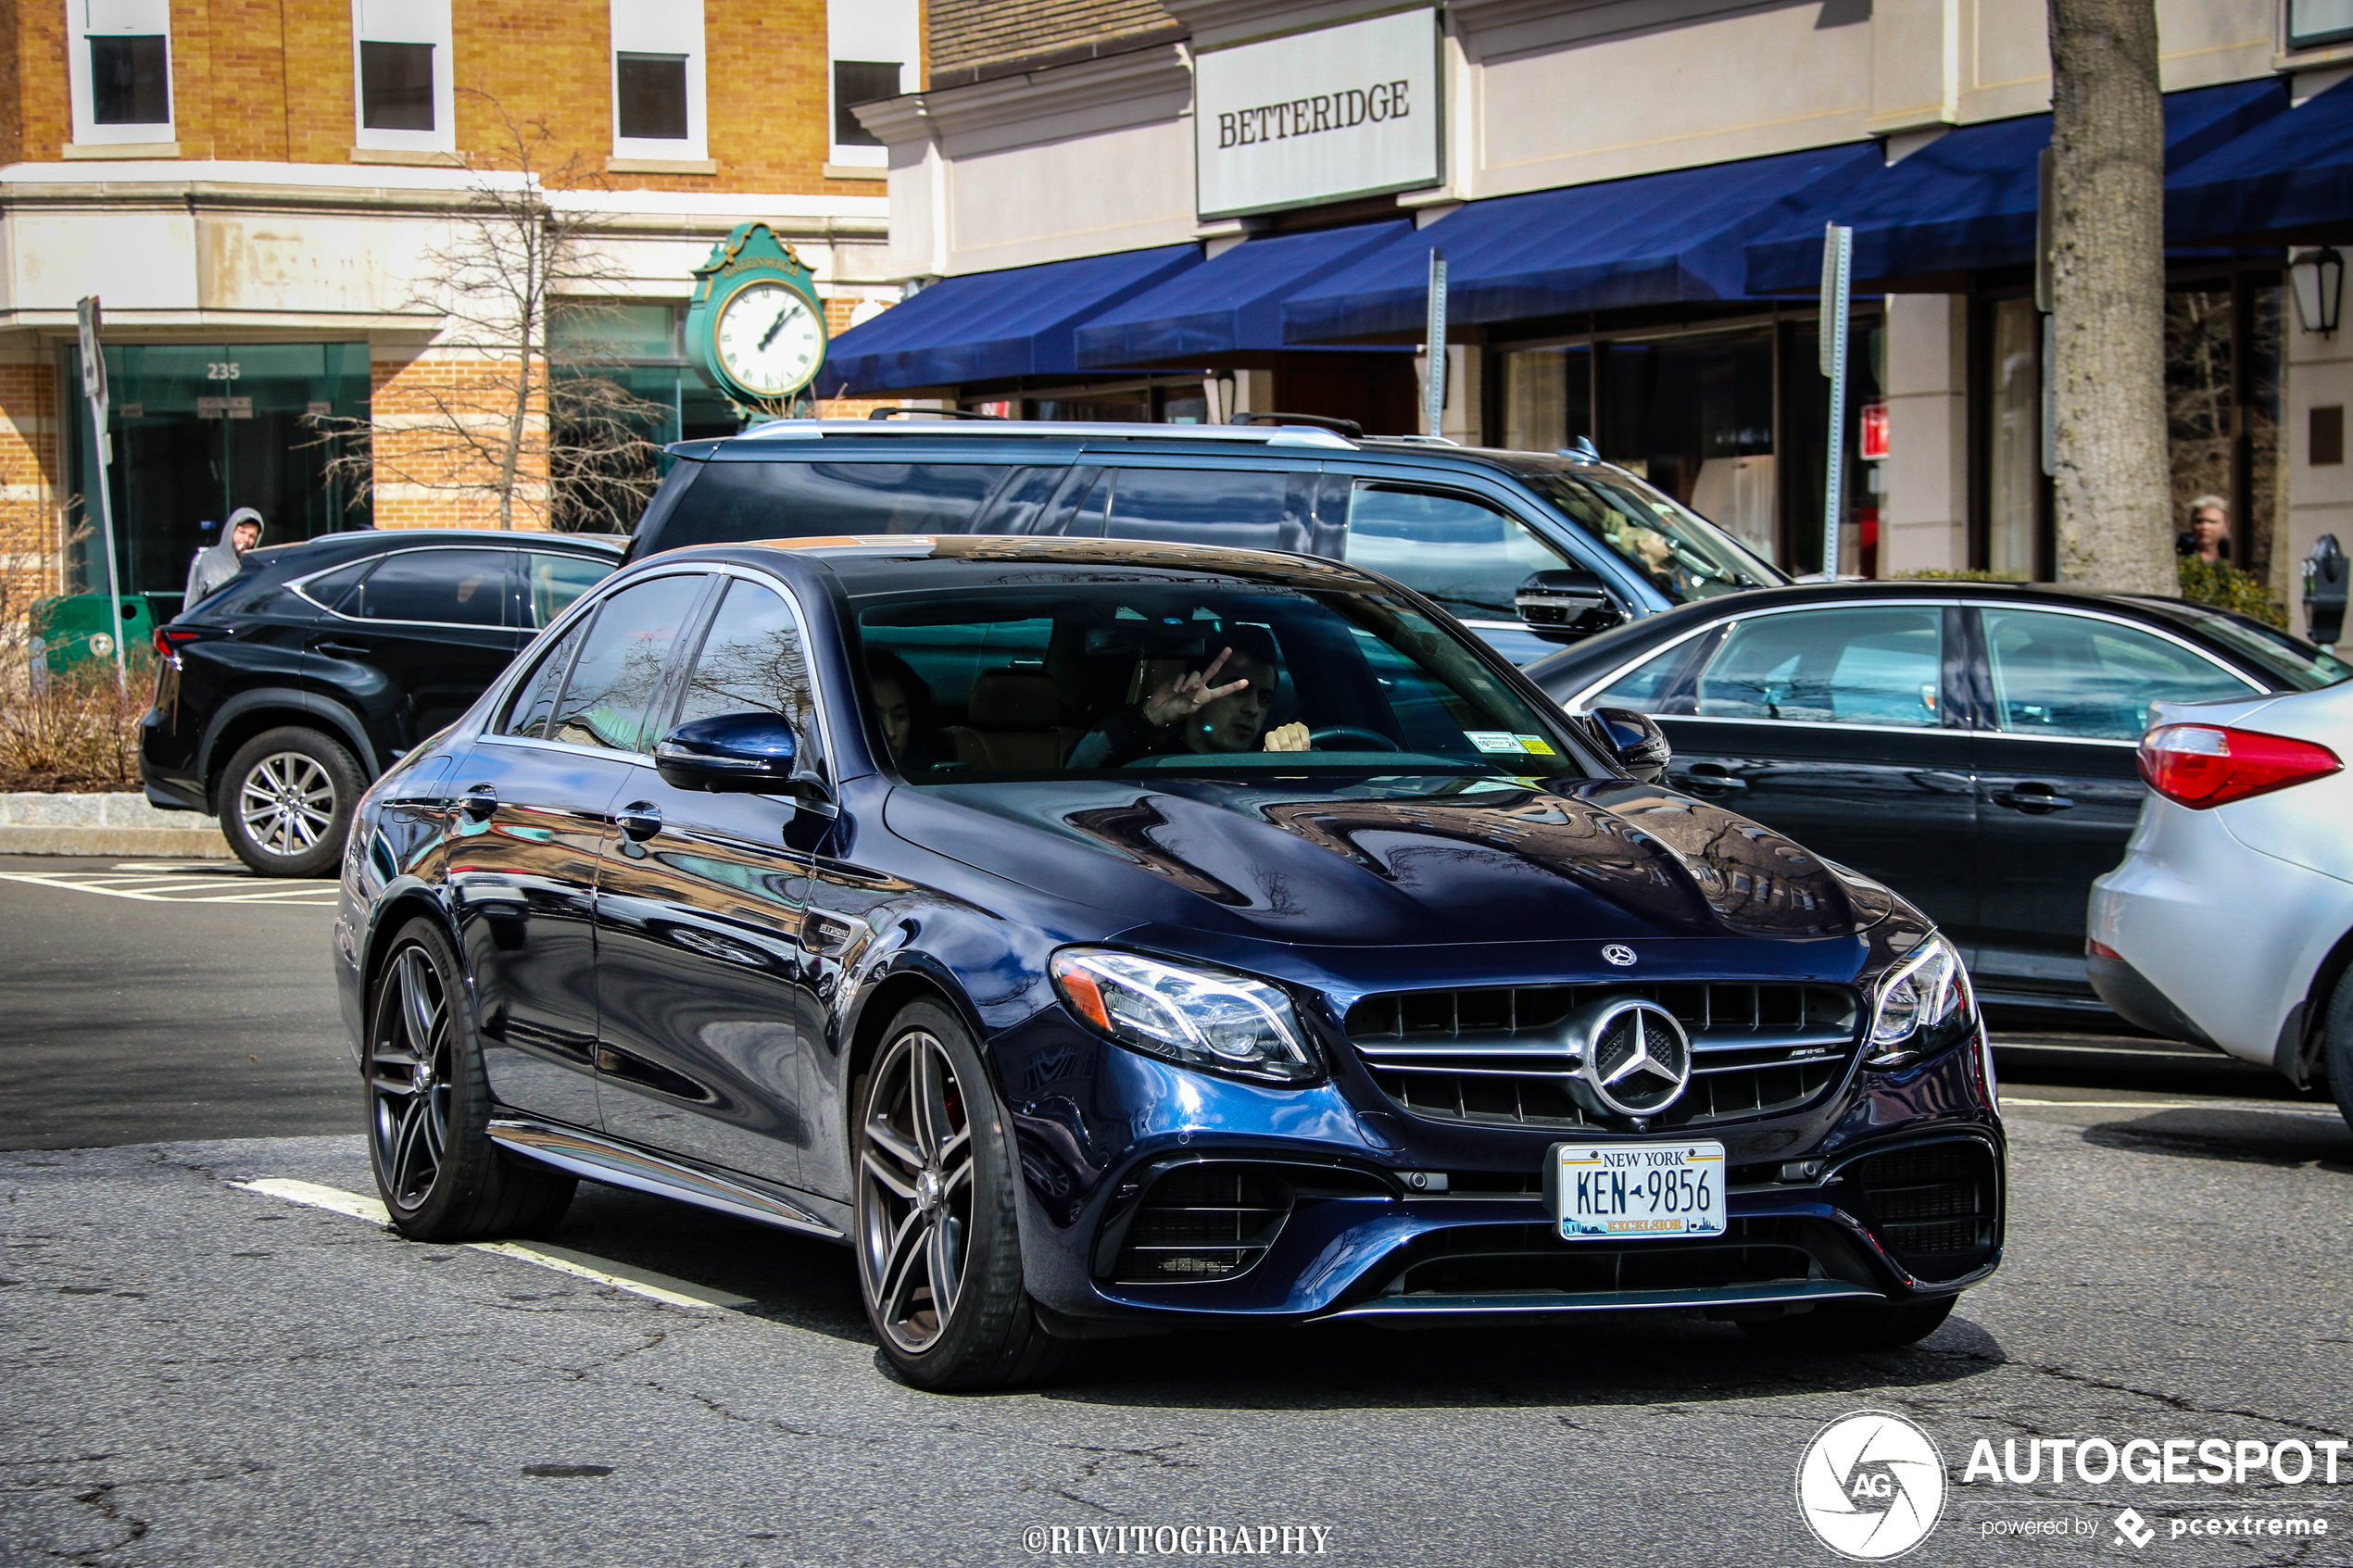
(1494, 1055)
(1203, 1223)
(1934, 1205)
(1492, 1260)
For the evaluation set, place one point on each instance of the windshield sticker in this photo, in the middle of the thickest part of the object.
(1536, 744)
(1495, 740)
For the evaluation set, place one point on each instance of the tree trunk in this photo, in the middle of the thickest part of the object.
(2106, 228)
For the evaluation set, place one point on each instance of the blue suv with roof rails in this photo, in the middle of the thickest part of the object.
(1530, 550)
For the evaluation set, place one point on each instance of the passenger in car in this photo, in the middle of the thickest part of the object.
(903, 701)
(1192, 711)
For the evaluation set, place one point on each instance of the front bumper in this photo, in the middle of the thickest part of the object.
(1351, 1225)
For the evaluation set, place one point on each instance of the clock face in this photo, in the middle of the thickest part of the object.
(769, 339)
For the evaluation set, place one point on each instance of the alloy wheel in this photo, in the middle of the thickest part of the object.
(287, 802)
(915, 1176)
(409, 1077)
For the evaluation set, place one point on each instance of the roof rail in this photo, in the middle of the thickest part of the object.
(884, 413)
(1043, 429)
(1321, 422)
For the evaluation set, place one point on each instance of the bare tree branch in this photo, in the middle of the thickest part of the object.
(509, 414)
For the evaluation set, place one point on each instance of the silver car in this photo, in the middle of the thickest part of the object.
(2231, 920)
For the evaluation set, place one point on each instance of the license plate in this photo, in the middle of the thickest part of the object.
(1626, 1191)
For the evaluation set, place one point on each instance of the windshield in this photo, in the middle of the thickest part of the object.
(1083, 679)
(2298, 664)
(1685, 556)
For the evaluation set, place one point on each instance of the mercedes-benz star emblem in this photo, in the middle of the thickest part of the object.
(1619, 954)
(1629, 1056)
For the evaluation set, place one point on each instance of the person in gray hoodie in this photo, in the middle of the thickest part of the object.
(215, 564)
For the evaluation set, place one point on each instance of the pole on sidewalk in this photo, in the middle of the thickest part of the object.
(1838, 260)
(1434, 384)
(93, 387)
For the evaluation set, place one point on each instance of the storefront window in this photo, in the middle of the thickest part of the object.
(1694, 416)
(1548, 397)
(2222, 410)
(2014, 441)
(1805, 406)
(202, 429)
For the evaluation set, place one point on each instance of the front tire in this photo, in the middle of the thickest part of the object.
(1854, 1325)
(937, 1240)
(441, 1177)
(287, 799)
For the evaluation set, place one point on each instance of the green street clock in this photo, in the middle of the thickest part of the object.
(755, 329)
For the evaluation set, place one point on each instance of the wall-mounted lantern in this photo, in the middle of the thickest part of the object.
(2318, 277)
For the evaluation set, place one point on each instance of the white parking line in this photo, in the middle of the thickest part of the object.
(563, 1259)
(312, 893)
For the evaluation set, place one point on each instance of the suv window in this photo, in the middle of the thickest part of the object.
(731, 502)
(1242, 508)
(621, 664)
(1468, 556)
(2077, 675)
(458, 586)
(554, 581)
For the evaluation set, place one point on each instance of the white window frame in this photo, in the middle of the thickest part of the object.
(405, 21)
(870, 30)
(659, 27)
(86, 19)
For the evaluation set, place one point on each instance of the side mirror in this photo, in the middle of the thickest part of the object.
(1635, 741)
(1567, 603)
(743, 753)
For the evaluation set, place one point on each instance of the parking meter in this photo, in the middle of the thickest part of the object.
(2325, 574)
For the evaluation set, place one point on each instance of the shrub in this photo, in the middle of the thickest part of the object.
(2226, 587)
(74, 733)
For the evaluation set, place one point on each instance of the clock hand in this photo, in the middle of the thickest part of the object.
(774, 328)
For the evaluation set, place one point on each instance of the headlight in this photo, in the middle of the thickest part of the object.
(1210, 1017)
(1922, 1004)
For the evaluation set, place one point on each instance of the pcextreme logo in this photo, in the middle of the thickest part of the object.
(1870, 1485)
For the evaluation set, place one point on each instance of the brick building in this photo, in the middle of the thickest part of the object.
(257, 192)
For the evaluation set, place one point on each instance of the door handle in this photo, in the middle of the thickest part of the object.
(479, 802)
(2035, 799)
(1705, 777)
(346, 650)
(640, 820)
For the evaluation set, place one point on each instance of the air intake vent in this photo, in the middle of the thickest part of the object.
(1934, 1205)
(1496, 1054)
(1203, 1223)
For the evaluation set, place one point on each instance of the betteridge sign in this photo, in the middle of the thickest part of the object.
(1317, 116)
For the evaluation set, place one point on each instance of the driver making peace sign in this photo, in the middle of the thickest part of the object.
(1192, 711)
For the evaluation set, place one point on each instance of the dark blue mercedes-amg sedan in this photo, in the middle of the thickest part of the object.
(1101, 935)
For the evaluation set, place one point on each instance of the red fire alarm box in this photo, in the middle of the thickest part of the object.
(1874, 432)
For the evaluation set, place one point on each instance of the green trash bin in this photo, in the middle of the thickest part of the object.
(73, 630)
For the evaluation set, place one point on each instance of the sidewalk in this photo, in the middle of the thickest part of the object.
(103, 825)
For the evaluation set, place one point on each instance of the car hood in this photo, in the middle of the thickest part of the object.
(1397, 860)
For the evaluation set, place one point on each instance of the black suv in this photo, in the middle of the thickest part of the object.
(1529, 549)
(281, 695)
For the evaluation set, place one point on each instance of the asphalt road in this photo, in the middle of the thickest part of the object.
(193, 1370)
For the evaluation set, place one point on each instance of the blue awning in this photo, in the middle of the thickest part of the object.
(991, 326)
(1968, 199)
(1657, 239)
(1232, 303)
(2288, 181)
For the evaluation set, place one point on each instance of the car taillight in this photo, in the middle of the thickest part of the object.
(2206, 765)
(169, 640)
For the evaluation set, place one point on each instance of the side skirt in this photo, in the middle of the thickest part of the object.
(603, 1159)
